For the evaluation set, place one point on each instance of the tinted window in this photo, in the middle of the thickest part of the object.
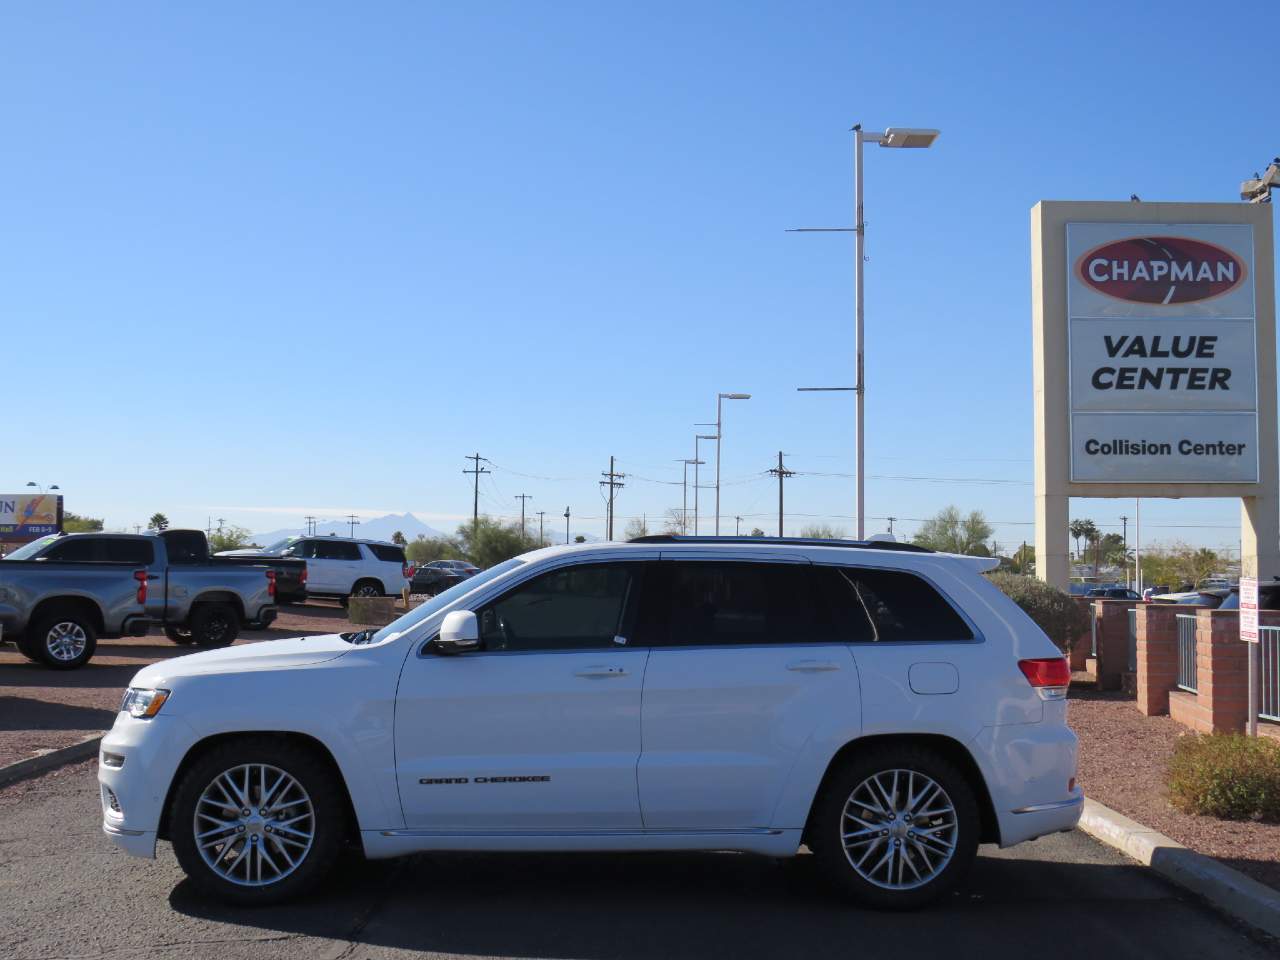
(869, 605)
(336, 550)
(304, 549)
(387, 552)
(737, 603)
(84, 548)
(130, 551)
(575, 608)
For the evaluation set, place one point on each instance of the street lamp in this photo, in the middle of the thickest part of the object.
(698, 461)
(898, 137)
(684, 493)
(40, 487)
(720, 397)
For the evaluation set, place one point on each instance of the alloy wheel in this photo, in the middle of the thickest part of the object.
(899, 829)
(66, 641)
(254, 825)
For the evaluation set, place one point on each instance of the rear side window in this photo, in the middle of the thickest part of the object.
(130, 551)
(869, 605)
(717, 604)
(86, 548)
(336, 550)
(388, 552)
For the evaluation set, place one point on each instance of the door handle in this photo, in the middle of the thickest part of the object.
(812, 666)
(600, 671)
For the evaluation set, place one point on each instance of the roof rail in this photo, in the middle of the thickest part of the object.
(789, 541)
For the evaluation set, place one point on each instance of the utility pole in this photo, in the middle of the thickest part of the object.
(737, 526)
(611, 481)
(208, 530)
(352, 522)
(541, 514)
(221, 521)
(311, 525)
(781, 473)
(566, 525)
(475, 500)
(522, 497)
(891, 519)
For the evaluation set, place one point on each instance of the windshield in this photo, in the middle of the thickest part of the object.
(443, 599)
(280, 546)
(31, 549)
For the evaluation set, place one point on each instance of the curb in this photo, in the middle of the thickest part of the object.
(50, 760)
(1229, 890)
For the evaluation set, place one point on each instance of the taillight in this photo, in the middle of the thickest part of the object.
(1050, 676)
(141, 577)
(407, 570)
(303, 579)
(271, 583)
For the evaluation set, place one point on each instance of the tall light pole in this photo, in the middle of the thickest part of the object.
(41, 487)
(698, 461)
(684, 493)
(720, 397)
(898, 137)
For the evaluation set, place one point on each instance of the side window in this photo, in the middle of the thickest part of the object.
(83, 548)
(347, 551)
(575, 608)
(740, 603)
(870, 605)
(130, 551)
(386, 552)
(336, 550)
(302, 549)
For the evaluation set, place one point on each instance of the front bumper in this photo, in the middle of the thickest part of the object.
(136, 764)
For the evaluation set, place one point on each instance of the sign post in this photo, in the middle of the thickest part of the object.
(1249, 634)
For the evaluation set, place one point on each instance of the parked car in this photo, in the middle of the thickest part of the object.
(439, 575)
(1268, 597)
(341, 567)
(884, 705)
(1191, 598)
(60, 594)
(1113, 593)
(291, 571)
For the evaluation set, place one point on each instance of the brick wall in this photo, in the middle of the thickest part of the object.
(1080, 649)
(1157, 656)
(1112, 619)
(1221, 703)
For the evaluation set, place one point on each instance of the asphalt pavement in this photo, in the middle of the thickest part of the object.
(66, 892)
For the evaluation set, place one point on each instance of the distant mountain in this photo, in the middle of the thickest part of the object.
(379, 528)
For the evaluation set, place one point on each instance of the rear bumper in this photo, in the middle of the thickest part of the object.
(266, 616)
(1044, 818)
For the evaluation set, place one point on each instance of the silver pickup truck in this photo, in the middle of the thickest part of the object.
(59, 595)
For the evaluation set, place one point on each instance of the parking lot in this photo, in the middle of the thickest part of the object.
(65, 891)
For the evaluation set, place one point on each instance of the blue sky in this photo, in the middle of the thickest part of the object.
(267, 260)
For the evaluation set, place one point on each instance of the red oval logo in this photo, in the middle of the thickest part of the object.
(1161, 270)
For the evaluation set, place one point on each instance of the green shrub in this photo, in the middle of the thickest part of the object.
(1226, 775)
(1054, 612)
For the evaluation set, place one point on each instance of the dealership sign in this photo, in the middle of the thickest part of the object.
(1162, 353)
(24, 516)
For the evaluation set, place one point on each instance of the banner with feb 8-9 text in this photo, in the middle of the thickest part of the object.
(24, 516)
(1162, 333)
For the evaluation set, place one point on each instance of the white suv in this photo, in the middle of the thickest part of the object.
(343, 567)
(885, 706)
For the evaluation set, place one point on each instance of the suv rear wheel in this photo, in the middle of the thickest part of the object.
(63, 640)
(896, 827)
(367, 588)
(255, 821)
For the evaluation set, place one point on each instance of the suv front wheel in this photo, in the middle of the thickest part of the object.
(256, 821)
(896, 827)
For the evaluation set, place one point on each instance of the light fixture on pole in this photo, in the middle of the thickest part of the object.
(41, 487)
(898, 137)
(698, 461)
(1258, 190)
(720, 397)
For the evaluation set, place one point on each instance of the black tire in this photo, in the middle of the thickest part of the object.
(62, 640)
(328, 821)
(367, 588)
(179, 636)
(915, 848)
(214, 625)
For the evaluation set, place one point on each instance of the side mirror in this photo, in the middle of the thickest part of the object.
(459, 633)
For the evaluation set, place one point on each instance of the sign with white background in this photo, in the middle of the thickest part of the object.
(1162, 353)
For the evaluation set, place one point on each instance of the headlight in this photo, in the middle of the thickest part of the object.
(143, 704)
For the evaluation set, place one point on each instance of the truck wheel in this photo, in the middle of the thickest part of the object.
(179, 636)
(214, 625)
(895, 827)
(255, 821)
(63, 641)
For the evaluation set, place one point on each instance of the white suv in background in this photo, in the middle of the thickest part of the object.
(885, 706)
(344, 567)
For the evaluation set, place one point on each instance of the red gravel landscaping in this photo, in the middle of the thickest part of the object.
(42, 709)
(1123, 760)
